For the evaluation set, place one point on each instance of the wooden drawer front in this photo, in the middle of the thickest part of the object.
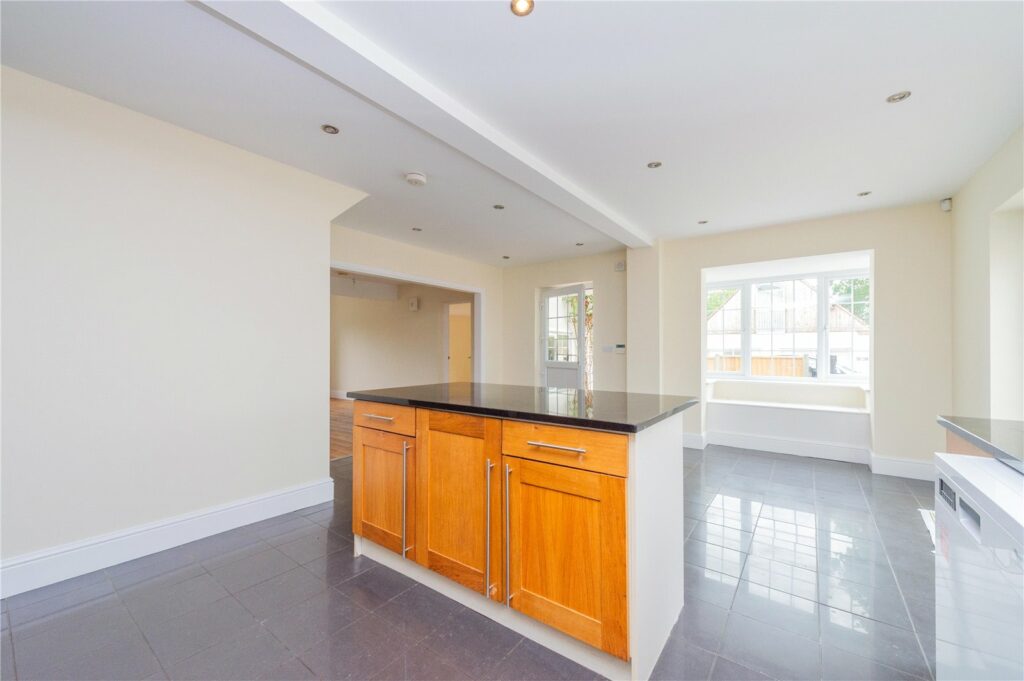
(389, 417)
(601, 452)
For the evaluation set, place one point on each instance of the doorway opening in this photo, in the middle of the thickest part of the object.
(388, 330)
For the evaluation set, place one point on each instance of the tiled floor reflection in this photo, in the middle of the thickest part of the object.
(802, 569)
(797, 568)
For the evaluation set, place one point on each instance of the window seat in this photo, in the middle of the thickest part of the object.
(830, 421)
(793, 405)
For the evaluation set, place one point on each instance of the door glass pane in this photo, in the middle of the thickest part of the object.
(562, 333)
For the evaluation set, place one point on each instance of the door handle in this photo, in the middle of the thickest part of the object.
(508, 583)
(487, 530)
(561, 448)
(405, 461)
(389, 419)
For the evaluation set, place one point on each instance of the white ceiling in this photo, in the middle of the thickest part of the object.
(760, 112)
(179, 63)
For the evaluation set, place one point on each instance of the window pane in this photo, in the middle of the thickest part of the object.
(784, 341)
(849, 338)
(724, 313)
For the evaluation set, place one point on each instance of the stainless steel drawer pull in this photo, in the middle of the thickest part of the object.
(487, 529)
(561, 448)
(405, 468)
(389, 419)
(508, 580)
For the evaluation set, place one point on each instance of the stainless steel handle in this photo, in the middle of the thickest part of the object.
(508, 582)
(389, 419)
(487, 531)
(405, 459)
(561, 448)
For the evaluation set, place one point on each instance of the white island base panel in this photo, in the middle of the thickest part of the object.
(654, 500)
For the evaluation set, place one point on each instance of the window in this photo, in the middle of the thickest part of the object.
(780, 327)
(725, 329)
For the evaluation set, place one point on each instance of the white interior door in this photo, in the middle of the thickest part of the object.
(562, 335)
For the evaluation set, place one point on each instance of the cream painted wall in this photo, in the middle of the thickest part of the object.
(644, 352)
(460, 343)
(164, 317)
(361, 251)
(384, 344)
(993, 184)
(520, 324)
(1006, 328)
(912, 331)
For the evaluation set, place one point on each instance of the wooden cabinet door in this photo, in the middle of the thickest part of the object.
(383, 493)
(458, 496)
(567, 551)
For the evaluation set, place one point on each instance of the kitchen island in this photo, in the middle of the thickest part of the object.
(555, 512)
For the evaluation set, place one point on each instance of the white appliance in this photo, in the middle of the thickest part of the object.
(979, 569)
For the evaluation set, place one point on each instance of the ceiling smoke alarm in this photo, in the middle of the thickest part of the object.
(416, 179)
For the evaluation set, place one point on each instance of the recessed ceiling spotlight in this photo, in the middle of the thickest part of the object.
(579, 243)
(504, 257)
(417, 229)
(898, 97)
(702, 222)
(522, 7)
(329, 129)
(498, 206)
(863, 193)
(654, 164)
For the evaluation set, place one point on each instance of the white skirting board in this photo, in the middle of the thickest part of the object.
(338, 395)
(903, 468)
(41, 568)
(765, 443)
(581, 653)
(695, 440)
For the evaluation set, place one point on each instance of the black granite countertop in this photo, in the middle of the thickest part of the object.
(598, 409)
(1000, 438)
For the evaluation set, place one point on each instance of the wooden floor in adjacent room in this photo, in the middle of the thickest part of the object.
(341, 428)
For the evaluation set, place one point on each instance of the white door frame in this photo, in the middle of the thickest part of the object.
(478, 302)
(546, 295)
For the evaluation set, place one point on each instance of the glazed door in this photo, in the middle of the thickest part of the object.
(562, 337)
(566, 533)
(383, 494)
(459, 498)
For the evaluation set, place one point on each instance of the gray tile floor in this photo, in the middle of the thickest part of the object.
(797, 568)
(802, 569)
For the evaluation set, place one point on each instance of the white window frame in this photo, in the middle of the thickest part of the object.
(824, 297)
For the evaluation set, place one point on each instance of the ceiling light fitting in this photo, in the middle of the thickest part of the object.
(702, 222)
(654, 164)
(504, 257)
(417, 229)
(898, 97)
(863, 193)
(416, 179)
(498, 206)
(521, 7)
(329, 129)
(579, 243)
